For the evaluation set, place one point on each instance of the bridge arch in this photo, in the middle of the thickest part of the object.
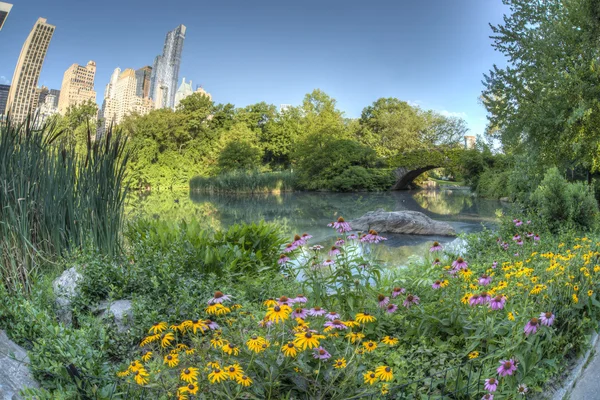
(405, 176)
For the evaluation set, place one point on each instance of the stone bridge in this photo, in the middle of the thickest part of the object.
(405, 176)
(409, 165)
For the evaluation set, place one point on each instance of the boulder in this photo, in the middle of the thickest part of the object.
(14, 373)
(405, 222)
(121, 310)
(65, 289)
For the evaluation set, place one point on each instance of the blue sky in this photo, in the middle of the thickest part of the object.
(428, 52)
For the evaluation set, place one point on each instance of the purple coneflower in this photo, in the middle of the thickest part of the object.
(536, 238)
(507, 367)
(504, 245)
(436, 247)
(497, 303)
(211, 324)
(316, 247)
(498, 240)
(289, 248)
(532, 326)
(494, 264)
(488, 396)
(352, 236)
(306, 236)
(334, 251)
(491, 384)
(547, 318)
(283, 259)
(321, 354)
(285, 301)
(460, 263)
(484, 298)
(328, 262)
(341, 225)
(340, 242)
(298, 241)
(336, 323)
(485, 280)
(372, 237)
(474, 300)
(520, 242)
(332, 315)
(300, 299)
(522, 389)
(219, 297)
(437, 285)
(382, 300)
(264, 323)
(516, 237)
(300, 313)
(410, 300)
(317, 312)
(518, 223)
(391, 308)
(398, 291)
(529, 234)
(436, 262)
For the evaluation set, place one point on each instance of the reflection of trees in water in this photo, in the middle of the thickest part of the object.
(444, 202)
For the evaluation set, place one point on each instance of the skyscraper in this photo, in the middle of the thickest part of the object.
(77, 86)
(4, 89)
(4, 10)
(27, 71)
(165, 72)
(185, 90)
(142, 77)
(56, 94)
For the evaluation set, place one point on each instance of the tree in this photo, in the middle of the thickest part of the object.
(442, 130)
(320, 115)
(239, 155)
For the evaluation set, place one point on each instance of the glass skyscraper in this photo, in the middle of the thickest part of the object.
(4, 89)
(165, 71)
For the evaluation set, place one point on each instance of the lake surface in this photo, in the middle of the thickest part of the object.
(310, 212)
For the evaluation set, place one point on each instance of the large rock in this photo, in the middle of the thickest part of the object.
(405, 222)
(121, 310)
(14, 374)
(65, 289)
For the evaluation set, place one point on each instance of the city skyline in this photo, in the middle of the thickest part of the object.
(421, 53)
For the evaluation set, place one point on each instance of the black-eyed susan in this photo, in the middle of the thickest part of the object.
(234, 371)
(278, 313)
(236, 307)
(255, 343)
(473, 355)
(307, 340)
(123, 374)
(355, 336)
(364, 318)
(390, 341)
(213, 365)
(157, 327)
(590, 293)
(385, 389)
(370, 377)
(198, 325)
(265, 345)
(230, 349)
(270, 302)
(146, 356)
(189, 375)
(190, 388)
(370, 345)
(340, 363)
(171, 360)
(244, 380)
(135, 366)
(217, 342)
(351, 323)
(166, 339)
(141, 376)
(217, 309)
(289, 349)
(217, 375)
(150, 339)
(384, 373)
(190, 351)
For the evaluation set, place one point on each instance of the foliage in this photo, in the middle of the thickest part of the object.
(245, 182)
(239, 156)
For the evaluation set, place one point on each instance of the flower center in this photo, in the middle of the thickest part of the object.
(548, 314)
(437, 260)
(460, 260)
(397, 289)
(435, 244)
(187, 371)
(231, 346)
(409, 297)
(437, 282)
(218, 295)
(283, 299)
(276, 308)
(254, 337)
(339, 363)
(298, 310)
(290, 345)
(231, 369)
(308, 335)
(169, 358)
(484, 294)
(297, 237)
(372, 376)
(217, 371)
(492, 381)
(191, 387)
(340, 219)
(317, 308)
(244, 377)
(507, 365)
(387, 369)
(337, 322)
(370, 344)
(498, 298)
(155, 324)
(534, 321)
(333, 248)
(381, 297)
(321, 352)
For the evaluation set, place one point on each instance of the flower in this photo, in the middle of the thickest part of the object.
(298, 241)
(146, 356)
(547, 318)
(485, 280)
(473, 355)
(217, 309)
(391, 308)
(390, 341)
(370, 377)
(299, 313)
(283, 259)
(372, 237)
(384, 373)
(255, 343)
(436, 262)
(216, 342)
(398, 291)
(199, 324)
(522, 389)
(518, 222)
(211, 324)
(336, 323)
(497, 303)
(460, 263)
(289, 349)
(300, 299)
(494, 264)
(217, 375)
(410, 300)
(278, 313)
(491, 384)
(341, 225)
(244, 380)
(590, 293)
(340, 241)
(532, 326)
(507, 367)
(511, 317)
(385, 389)
(355, 336)
(270, 302)
(122, 374)
(171, 360)
(219, 297)
(370, 345)
(234, 371)
(575, 298)
(437, 285)
(321, 354)
(488, 396)
(230, 349)
(167, 339)
(436, 247)
(135, 366)
(141, 376)
(484, 298)
(328, 262)
(317, 312)
(382, 300)
(316, 247)
(334, 251)
(363, 318)
(189, 374)
(306, 236)
(332, 316)
(340, 363)
(306, 340)
(158, 327)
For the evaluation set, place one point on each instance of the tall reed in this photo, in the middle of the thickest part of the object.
(245, 182)
(53, 200)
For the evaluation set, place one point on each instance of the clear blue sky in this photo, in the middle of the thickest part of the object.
(429, 52)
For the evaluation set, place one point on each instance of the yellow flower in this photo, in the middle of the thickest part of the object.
(217, 342)
(270, 303)
(217, 376)
(473, 287)
(213, 365)
(135, 366)
(465, 298)
(307, 340)
(255, 343)
(190, 351)
(575, 298)
(384, 373)
(278, 313)
(147, 355)
(385, 389)
(590, 293)
(390, 341)
(351, 323)
(122, 374)
(355, 337)
(199, 324)
(234, 371)
(575, 287)
(289, 349)
(171, 360)
(537, 289)
(217, 309)
(466, 273)
(230, 349)
(158, 327)
(190, 388)
(511, 317)
(364, 318)
(340, 363)
(236, 306)
(141, 376)
(370, 345)
(189, 375)
(244, 380)
(370, 377)
(167, 339)
(473, 354)
(444, 283)
(150, 339)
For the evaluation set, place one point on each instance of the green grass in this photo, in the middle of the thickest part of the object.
(447, 183)
(245, 182)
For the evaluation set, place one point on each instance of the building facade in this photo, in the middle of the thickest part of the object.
(470, 142)
(165, 71)
(185, 90)
(27, 71)
(47, 108)
(143, 76)
(200, 89)
(4, 89)
(4, 11)
(77, 86)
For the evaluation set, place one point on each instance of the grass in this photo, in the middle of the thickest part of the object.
(245, 182)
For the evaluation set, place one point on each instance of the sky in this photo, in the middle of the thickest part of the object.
(430, 53)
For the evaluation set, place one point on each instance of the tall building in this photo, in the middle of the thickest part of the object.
(165, 72)
(142, 76)
(4, 11)
(77, 86)
(4, 89)
(47, 108)
(39, 97)
(56, 94)
(27, 71)
(185, 90)
(470, 142)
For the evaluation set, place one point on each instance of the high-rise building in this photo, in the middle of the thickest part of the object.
(56, 94)
(4, 11)
(470, 142)
(200, 89)
(185, 90)
(39, 97)
(77, 86)
(4, 89)
(27, 71)
(142, 76)
(165, 71)
(47, 108)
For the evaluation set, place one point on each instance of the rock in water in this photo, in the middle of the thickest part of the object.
(14, 374)
(65, 289)
(405, 222)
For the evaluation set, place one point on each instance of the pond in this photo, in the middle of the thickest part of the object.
(310, 212)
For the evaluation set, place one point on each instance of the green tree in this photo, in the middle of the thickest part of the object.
(239, 155)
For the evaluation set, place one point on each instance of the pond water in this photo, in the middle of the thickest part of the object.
(311, 212)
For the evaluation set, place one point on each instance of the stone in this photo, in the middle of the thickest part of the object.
(404, 222)
(505, 199)
(121, 310)
(14, 373)
(65, 289)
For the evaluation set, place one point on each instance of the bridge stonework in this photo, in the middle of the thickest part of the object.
(405, 176)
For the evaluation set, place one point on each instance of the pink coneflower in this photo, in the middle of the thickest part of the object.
(536, 238)
(316, 247)
(522, 389)
(497, 303)
(410, 300)
(474, 300)
(352, 236)
(372, 237)
(498, 240)
(460, 263)
(529, 234)
(336, 323)
(437, 285)
(518, 223)
(528, 222)
(495, 264)
(306, 236)
(332, 316)
(398, 291)
(516, 237)
(532, 326)
(340, 242)
(328, 262)
(507, 367)
(289, 248)
(488, 396)
(264, 323)
(300, 313)
(504, 245)
(334, 251)
(485, 280)
(516, 254)
(285, 301)
(283, 259)
(382, 300)
(547, 318)
(436, 247)
(520, 242)
(341, 225)
(300, 299)
(391, 308)
(298, 241)
(219, 297)
(317, 312)
(491, 384)
(211, 324)
(436, 262)
(484, 298)
(320, 353)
